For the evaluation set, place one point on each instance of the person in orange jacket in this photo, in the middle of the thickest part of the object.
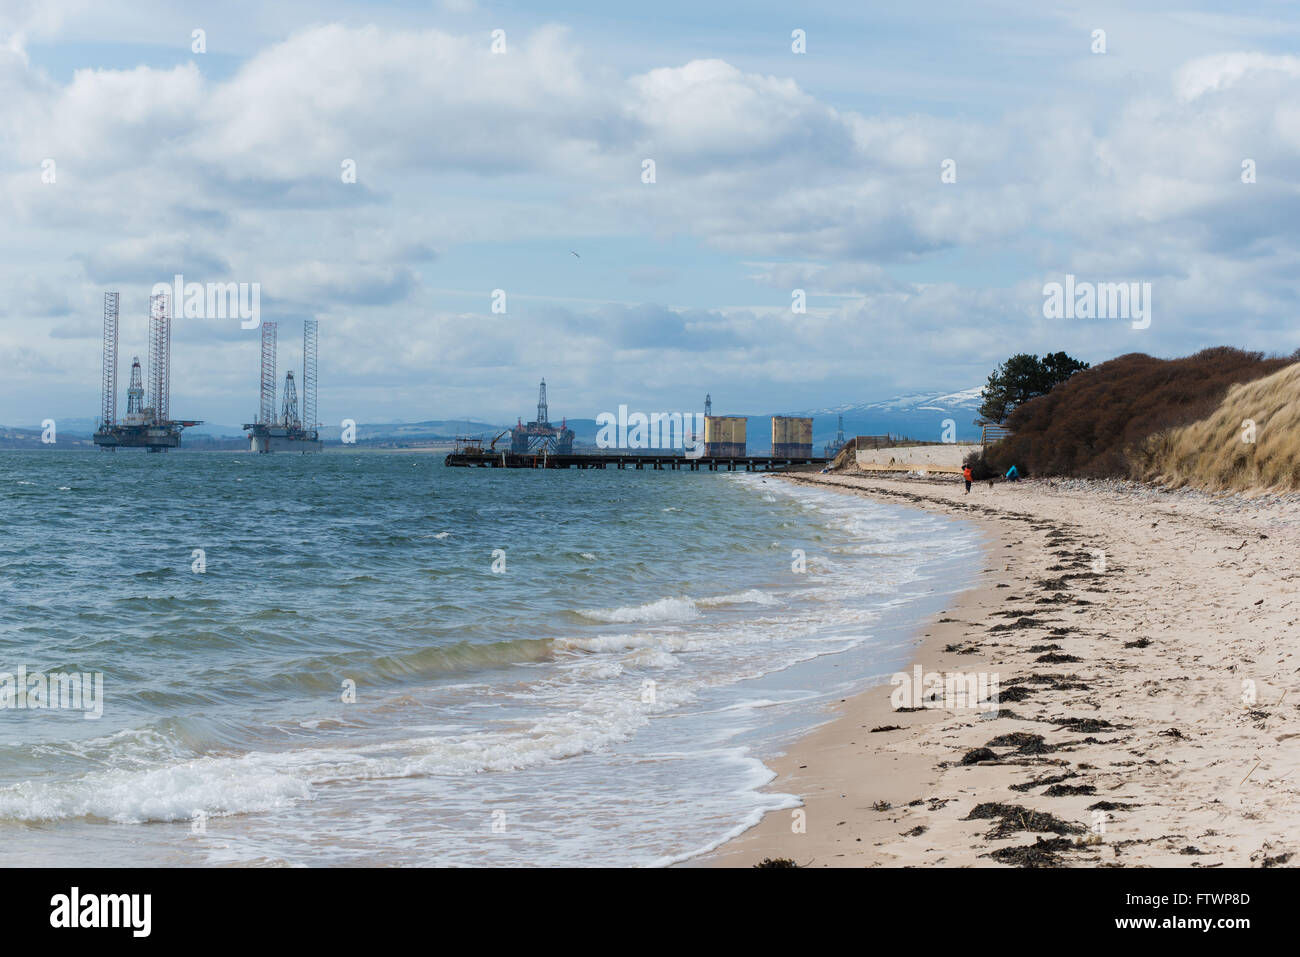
(967, 475)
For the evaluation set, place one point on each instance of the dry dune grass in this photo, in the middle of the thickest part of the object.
(1215, 454)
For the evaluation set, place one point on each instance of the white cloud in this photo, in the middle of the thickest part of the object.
(397, 99)
(238, 178)
(1222, 71)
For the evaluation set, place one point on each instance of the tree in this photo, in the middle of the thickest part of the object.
(1057, 367)
(1023, 377)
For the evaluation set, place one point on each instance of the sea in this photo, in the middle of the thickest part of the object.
(370, 659)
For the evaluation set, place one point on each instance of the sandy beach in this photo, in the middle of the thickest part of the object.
(1143, 643)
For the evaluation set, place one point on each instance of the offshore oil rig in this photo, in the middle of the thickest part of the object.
(288, 431)
(146, 425)
(833, 448)
(540, 435)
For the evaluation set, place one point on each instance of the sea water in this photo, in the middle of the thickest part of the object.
(371, 659)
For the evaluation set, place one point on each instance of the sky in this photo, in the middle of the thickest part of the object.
(921, 172)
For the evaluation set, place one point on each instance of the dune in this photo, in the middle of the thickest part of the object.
(1251, 442)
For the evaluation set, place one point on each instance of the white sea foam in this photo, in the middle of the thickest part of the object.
(751, 596)
(215, 786)
(663, 610)
(620, 642)
(655, 658)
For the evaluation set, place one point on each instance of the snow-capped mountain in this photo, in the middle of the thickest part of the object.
(915, 402)
(918, 415)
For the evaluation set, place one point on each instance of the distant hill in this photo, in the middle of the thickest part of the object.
(916, 402)
(14, 438)
(917, 415)
(85, 428)
(78, 434)
(216, 431)
(414, 433)
(79, 427)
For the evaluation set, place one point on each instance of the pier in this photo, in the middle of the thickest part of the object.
(541, 445)
(491, 459)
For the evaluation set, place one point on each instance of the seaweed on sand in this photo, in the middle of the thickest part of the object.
(1013, 818)
(1039, 854)
(1013, 693)
(1066, 790)
(1087, 725)
(1019, 624)
(1040, 782)
(1023, 742)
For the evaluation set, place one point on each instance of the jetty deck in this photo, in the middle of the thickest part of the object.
(621, 460)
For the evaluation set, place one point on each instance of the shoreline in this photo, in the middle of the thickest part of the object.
(1132, 730)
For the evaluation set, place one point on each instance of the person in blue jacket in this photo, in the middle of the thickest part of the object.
(1013, 475)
